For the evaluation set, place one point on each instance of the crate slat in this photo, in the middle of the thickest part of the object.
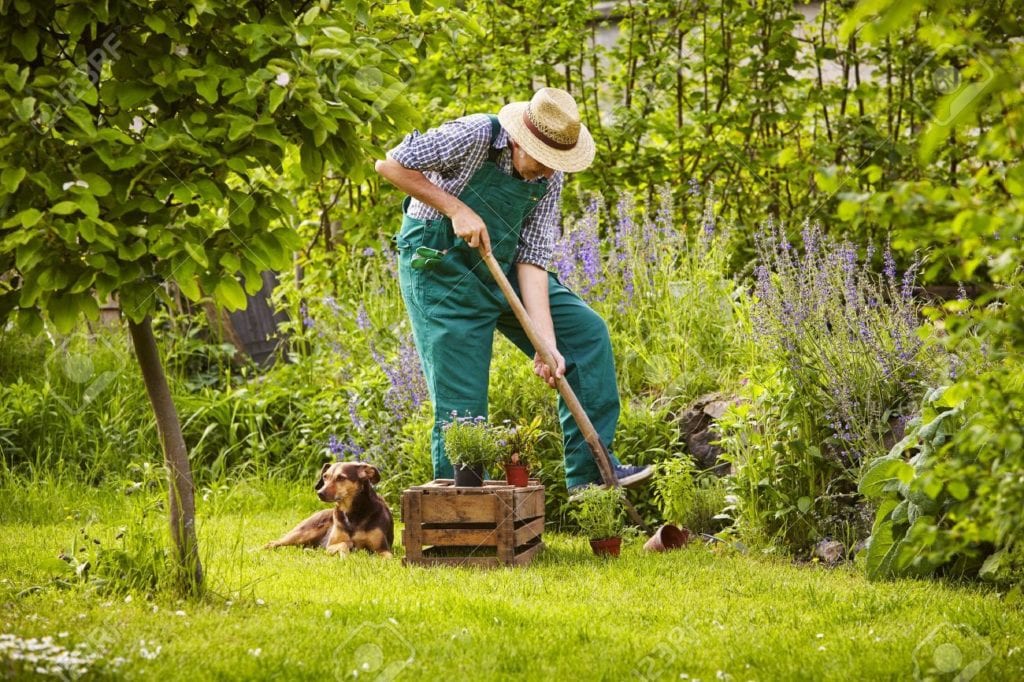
(531, 530)
(494, 525)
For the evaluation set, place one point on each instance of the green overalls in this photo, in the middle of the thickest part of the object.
(455, 305)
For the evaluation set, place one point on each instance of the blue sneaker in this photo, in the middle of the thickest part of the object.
(628, 477)
(631, 476)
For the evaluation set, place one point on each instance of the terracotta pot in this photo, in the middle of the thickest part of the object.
(469, 477)
(517, 475)
(667, 537)
(606, 546)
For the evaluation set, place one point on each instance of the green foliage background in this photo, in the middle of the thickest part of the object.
(896, 123)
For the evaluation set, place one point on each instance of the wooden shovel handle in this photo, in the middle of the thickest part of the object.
(572, 402)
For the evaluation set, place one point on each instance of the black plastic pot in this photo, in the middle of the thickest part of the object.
(469, 477)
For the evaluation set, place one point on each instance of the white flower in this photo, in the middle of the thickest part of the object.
(180, 613)
(137, 124)
(75, 183)
(283, 79)
(180, 50)
(255, 652)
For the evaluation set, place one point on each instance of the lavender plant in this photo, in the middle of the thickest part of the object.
(836, 359)
(846, 336)
(665, 290)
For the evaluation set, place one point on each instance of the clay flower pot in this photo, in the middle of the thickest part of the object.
(469, 477)
(667, 537)
(606, 546)
(517, 475)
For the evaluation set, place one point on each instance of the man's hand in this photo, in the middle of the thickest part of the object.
(541, 369)
(470, 226)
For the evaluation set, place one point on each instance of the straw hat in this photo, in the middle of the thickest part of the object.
(548, 127)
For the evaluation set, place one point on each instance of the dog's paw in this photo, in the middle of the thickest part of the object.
(341, 549)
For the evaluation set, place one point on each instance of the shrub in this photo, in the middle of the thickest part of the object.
(838, 362)
(951, 494)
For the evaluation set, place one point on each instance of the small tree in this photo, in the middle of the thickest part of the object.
(151, 143)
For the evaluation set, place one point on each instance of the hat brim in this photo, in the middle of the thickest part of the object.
(567, 160)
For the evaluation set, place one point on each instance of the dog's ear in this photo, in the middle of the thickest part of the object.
(370, 472)
(324, 469)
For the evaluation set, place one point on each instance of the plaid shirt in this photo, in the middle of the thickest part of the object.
(449, 155)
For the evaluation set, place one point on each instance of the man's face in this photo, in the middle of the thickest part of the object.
(527, 166)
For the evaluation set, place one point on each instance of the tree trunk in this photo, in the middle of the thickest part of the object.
(180, 488)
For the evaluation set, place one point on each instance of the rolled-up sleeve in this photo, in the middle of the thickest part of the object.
(446, 148)
(537, 237)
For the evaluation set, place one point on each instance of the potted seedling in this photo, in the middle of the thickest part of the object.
(518, 448)
(599, 515)
(471, 445)
(676, 492)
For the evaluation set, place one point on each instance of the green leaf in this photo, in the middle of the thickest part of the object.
(63, 310)
(310, 160)
(881, 552)
(209, 191)
(958, 489)
(98, 185)
(156, 22)
(82, 118)
(64, 208)
(17, 79)
(207, 88)
(230, 294)
(30, 322)
(198, 254)
(24, 108)
(230, 262)
(883, 475)
(26, 39)
(276, 97)
(131, 94)
(11, 178)
(803, 504)
(240, 126)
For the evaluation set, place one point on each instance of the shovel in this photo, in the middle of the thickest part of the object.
(597, 448)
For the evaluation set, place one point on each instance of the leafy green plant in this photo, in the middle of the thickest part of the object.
(675, 489)
(599, 512)
(950, 494)
(471, 441)
(518, 441)
(686, 497)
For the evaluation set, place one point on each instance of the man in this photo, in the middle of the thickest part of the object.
(497, 182)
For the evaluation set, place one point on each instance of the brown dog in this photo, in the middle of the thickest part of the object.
(360, 518)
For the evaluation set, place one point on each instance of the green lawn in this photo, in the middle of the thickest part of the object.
(296, 614)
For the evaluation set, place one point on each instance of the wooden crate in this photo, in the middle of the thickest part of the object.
(496, 525)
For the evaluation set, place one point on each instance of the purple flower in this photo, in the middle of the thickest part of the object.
(345, 451)
(369, 252)
(363, 318)
(307, 321)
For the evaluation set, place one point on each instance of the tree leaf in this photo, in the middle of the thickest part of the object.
(63, 310)
(198, 254)
(11, 178)
(64, 208)
(230, 294)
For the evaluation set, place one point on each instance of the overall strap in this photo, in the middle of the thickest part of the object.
(492, 153)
